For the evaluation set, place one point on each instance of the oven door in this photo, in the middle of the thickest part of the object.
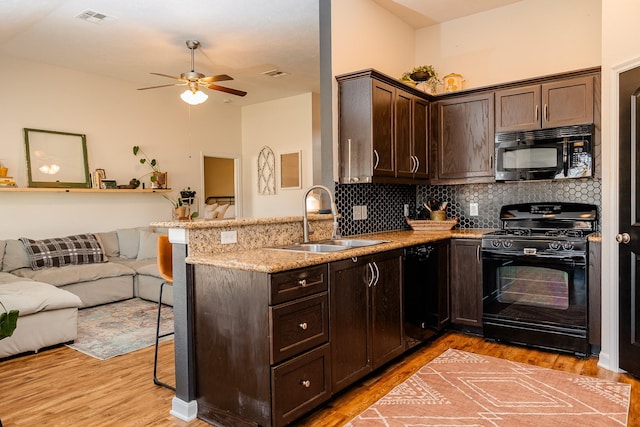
(536, 299)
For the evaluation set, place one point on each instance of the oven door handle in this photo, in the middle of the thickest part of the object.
(510, 258)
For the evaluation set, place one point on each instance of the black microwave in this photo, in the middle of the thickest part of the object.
(558, 153)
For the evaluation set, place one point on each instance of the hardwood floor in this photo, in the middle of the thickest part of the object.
(63, 387)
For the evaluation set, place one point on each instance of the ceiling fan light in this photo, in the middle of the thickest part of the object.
(194, 98)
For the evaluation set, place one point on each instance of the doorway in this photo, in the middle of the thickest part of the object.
(221, 181)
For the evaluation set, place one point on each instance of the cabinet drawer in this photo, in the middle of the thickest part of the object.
(298, 326)
(293, 284)
(300, 385)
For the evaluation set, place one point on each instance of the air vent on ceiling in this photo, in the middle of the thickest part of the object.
(275, 73)
(94, 17)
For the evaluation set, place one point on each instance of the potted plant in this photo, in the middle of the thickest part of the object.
(179, 209)
(158, 179)
(406, 79)
(8, 322)
(427, 74)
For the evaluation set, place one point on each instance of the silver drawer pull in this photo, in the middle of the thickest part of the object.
(303, 326)
(302, 282)
(305, 383)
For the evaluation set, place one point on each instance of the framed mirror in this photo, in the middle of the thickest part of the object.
(56, 159)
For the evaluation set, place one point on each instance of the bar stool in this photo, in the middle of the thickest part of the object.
(165, 266)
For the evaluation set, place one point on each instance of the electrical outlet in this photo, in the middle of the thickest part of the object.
(227, 237)
(473, 209)
(357, 213)
(406, 210)
(364, 212)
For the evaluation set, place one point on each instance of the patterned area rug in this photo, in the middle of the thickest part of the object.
(121, 327)
(465, 389)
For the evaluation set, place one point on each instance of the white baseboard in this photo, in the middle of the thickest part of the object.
(186, 411)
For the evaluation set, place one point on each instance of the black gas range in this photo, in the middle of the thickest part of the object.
(535, 275)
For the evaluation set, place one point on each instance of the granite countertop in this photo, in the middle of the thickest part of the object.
(272, 261)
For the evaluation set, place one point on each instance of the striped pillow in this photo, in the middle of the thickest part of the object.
(61, 251)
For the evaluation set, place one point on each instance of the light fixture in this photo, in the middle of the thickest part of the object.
(194, 97)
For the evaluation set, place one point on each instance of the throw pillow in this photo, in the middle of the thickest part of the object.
(109, 242)
(209, 211)
(15, 256)
(61, 251)
(128, 242)
(219, 212)
(148, 245)
(230, 212)
(2, 246)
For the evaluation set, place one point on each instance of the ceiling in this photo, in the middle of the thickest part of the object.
(241, 38)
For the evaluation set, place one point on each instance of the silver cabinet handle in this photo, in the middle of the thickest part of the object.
(349, 160)
(377, 274)
(546, 113)
(303, 326)
(417, 164)
(623, 238)
(372, 273)
(537, 113)
(413, 164)
(302, 282)
(305, 383)
(375, 165)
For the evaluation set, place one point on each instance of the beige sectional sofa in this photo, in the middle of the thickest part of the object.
(121, 265)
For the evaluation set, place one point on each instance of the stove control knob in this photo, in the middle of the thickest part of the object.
(555, 246)
(507, 243)
(567, 246)
(495, 243)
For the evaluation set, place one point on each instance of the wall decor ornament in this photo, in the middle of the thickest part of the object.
(266, 172)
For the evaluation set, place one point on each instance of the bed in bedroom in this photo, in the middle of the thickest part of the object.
(220, 207)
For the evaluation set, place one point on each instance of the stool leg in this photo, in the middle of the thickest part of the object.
(156, 381)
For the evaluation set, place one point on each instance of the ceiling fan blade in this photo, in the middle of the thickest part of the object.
(227, 90)
(155, 87)
(218, 78)
(167, 75)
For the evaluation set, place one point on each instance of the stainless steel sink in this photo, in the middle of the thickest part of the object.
(326, 246)
(353, 243)
(312, 247)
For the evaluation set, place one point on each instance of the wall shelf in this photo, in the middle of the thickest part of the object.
(81, 190)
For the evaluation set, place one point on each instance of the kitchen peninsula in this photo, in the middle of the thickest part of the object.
(252, 324)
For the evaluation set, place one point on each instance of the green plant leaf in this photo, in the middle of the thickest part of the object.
(135, 149)
(153, 178)
(8, 323)
(195, 215)
(142, 161)
(153, 162)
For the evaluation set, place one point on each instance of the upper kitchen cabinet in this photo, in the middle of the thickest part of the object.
(465, 139)
(383, 130)
(558, 103)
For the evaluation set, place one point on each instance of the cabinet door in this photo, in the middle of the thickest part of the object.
(518, 109)
(567, 102)
(421, 137)
(466, 138)
(403, 139)
(383, 100)
(387, 326)
(466, 282)
(349, 312)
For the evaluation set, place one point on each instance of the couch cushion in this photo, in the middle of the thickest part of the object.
(15, 256)
(8, 278)
(31, 297)
(61, 251)
(109, 241)
(61, 276)
(3, 244)
(128, 242)
(148, 245)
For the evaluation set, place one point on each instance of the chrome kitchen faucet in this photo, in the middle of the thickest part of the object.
(305, 220)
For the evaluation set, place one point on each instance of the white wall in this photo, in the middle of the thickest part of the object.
(114, 116)
(526, 39)
(285, 125)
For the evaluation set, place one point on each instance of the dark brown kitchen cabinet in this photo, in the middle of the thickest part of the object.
(412, 141)
(466, 283)
(559, 103)
(366, 315)
(262, 352)
(383, 134)
(465, 142)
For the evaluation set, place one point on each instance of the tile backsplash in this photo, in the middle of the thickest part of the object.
(385, 202)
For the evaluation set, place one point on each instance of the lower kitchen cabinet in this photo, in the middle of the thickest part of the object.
(262, 352)
(366, 315)
(466, 283)
(595, 293)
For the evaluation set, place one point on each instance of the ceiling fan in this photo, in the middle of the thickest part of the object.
(194, 80)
